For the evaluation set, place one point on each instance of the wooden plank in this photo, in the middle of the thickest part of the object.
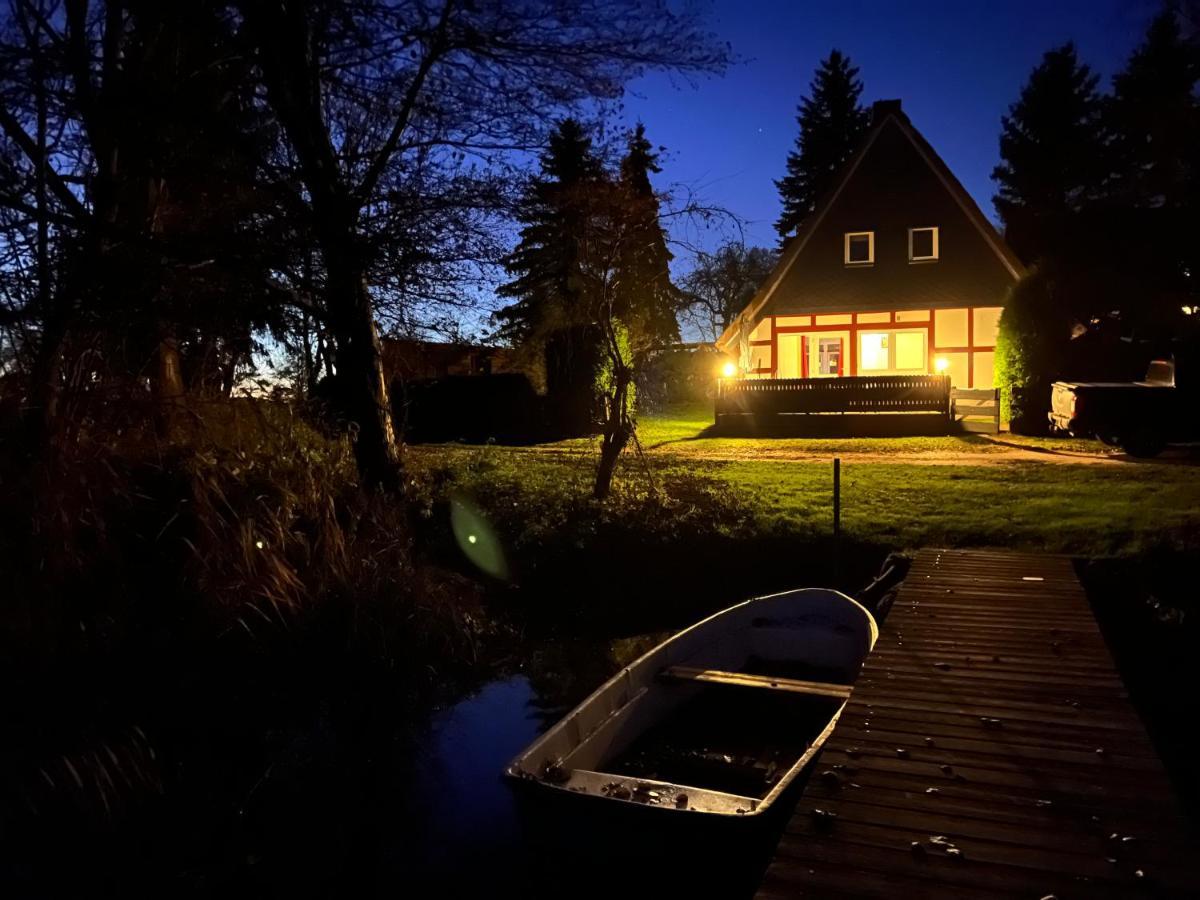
(1034, 746)
(990, 714)
(895, 871)
(991, 394)
(1071, 734)
(891, 800)
(742, 679)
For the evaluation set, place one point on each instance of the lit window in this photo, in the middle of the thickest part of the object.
(910, 351)
(860, 248)
(873, 351)
(892, 351)
(922, 244)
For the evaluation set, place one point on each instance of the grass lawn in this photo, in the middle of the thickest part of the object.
(682, 429)
(1076, 509)
(1103, 509)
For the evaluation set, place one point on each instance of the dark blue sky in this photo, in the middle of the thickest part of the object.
(956, 66)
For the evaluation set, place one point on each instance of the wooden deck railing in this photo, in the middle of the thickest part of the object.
(767, 399)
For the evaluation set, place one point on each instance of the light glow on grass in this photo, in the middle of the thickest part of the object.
(749, 488)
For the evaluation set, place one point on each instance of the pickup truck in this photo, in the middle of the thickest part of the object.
(1140, 417)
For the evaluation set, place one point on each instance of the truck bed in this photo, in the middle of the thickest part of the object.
(1139, 416)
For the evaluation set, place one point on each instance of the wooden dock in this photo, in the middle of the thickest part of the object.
(989, 750)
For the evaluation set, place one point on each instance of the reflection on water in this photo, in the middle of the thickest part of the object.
(467, 812)
(459, 825)
(460, 829)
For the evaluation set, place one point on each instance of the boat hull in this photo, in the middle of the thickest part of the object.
(721, 719)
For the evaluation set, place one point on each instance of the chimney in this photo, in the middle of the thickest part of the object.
(882, 108)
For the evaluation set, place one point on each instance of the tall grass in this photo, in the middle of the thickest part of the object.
(175, 616)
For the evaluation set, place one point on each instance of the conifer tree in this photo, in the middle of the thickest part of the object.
(831, 123)
(549, 285)
(644, 297)
(1154, 191)
(1053, 153)
(1154, 116)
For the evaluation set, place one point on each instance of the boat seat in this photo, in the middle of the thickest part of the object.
(770, 682)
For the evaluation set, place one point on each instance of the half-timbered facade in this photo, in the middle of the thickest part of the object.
(896, 272)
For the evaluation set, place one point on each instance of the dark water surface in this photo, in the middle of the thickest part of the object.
(466, 832)
(469, 831)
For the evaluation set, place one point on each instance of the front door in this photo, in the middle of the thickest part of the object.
(824, 355)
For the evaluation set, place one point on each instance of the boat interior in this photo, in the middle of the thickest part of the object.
(719, 719)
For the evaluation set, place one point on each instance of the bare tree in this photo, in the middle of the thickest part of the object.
(721, 284)
(613, 240)
(402, 114)
(121, 127)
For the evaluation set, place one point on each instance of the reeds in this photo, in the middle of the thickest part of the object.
(153, 592)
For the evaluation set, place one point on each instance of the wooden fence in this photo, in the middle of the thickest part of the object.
(976, 410)
(768, 402)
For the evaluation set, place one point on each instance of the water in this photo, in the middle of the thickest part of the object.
(459, 824)
(464, 833)
(470, 831)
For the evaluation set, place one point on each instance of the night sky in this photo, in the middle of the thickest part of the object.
(956, 66)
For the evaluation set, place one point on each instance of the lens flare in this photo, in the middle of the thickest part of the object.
(476, 537)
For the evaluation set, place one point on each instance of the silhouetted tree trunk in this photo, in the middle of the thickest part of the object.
(618, 427)
(286, 44)
(361, 377)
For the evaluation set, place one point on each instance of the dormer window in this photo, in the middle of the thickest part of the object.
(922, 244)
(860, 248)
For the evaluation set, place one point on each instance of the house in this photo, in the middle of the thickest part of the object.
(412, 359)
(896, 272)
(462, 392)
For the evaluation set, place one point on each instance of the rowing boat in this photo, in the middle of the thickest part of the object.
(721, 718)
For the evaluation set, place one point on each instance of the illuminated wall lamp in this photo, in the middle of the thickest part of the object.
(941, 364)
(729, 370)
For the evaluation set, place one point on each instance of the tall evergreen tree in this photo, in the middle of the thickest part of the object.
(549, 285)
(644, 297)
(1154, 116)
(1052, 150)
(831, 123)
(1154, 194)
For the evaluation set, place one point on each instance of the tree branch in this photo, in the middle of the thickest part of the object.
(379, 164)
(29, 147)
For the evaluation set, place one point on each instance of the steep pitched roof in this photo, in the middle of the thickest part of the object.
(888, 116)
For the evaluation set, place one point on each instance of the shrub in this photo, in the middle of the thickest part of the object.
(1033, 337)
(679, 374)
(471, 408)
(574, 357)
